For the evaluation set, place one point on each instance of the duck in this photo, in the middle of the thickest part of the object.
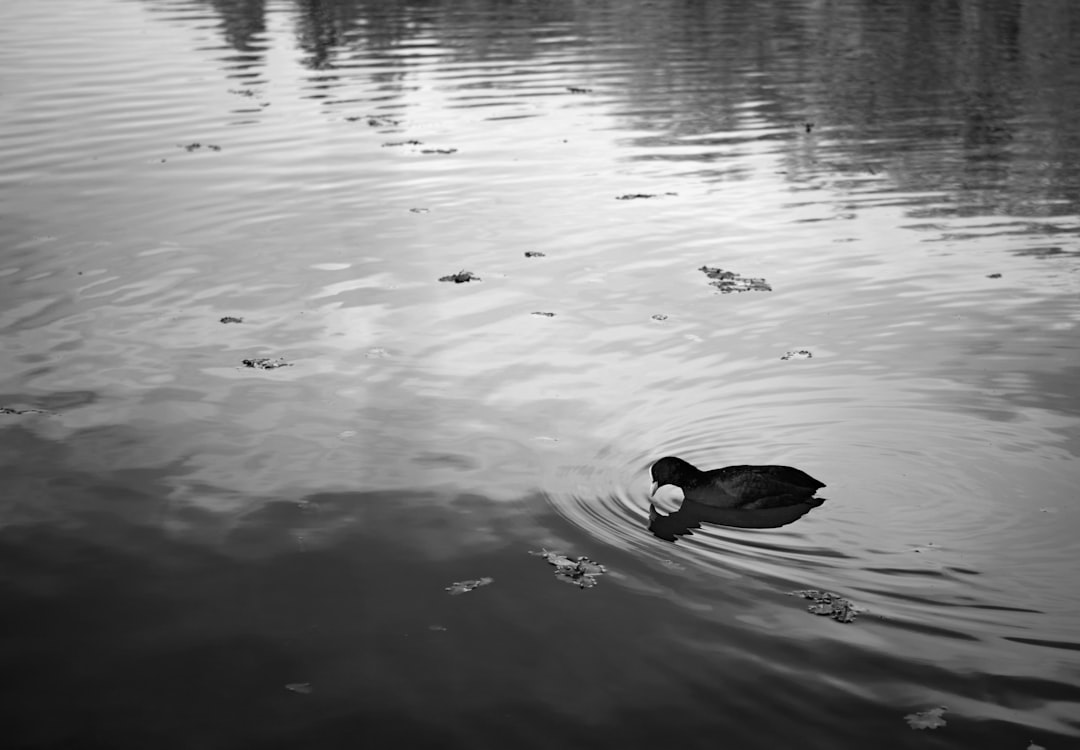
(737, 487)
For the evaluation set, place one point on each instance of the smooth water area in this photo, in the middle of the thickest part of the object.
(199, 554)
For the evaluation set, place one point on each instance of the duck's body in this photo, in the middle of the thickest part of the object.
(737, 487)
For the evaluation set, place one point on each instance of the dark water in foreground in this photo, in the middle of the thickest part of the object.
(196, 554)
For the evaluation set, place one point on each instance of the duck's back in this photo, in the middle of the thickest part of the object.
(746, 484)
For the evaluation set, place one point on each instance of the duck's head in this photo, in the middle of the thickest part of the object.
(671, 471)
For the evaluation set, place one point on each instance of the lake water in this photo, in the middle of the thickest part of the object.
(199, 554)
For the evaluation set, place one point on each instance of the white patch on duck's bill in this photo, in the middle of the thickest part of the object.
(668, 498)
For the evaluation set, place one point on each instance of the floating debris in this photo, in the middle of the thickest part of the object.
(809, 126)
(1033, 746)
(931, 718)
(829, 604)
(534, 254)
(265, 363)
(437, 628)
(460, 277)
(637, 196)
(578, 90)
(545, 314)
(993, 275)
(729, 281)
(196, 146)
(391, 144)
(438, 151)
(800, 354)
(582, 571)
(659, 316)
(242, 92)
(304, 688)
(419, 210)
(377, 121)
(464, 587)
(231, 319)
(10, 410)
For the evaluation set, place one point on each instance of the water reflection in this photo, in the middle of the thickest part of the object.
(690, 516)
(903, 174)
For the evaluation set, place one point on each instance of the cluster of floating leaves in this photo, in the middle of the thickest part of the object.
(799, 354)
(931, 718)
(580, 571)
(729, 281)
(196, 146)
(265, 363)
(460, 277)
(231, 319)
(828, 604)
(464, 587)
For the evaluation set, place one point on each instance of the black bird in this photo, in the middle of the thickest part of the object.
(737, 487)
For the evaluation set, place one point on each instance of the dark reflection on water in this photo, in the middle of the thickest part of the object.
(691, 515)
(181, 538)
(122, 634)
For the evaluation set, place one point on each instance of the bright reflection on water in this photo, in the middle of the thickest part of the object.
(183, 536)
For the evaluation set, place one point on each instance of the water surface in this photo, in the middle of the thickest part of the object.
(183, 537)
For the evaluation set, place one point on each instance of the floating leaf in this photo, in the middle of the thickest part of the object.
(582, 571)
(265, 363)
(729, 281)
(232, 319)
(464, 587)
(800, 354)
(10, 410)
(533, 254)
(640, 196)
(931, 718)
(829, 604)
(460, 277)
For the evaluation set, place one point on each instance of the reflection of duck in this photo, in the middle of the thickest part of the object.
(691, 515)
(737, 487)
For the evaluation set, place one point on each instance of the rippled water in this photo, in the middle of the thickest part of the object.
(183, 537)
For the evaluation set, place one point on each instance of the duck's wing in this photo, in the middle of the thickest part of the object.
(749, 483)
